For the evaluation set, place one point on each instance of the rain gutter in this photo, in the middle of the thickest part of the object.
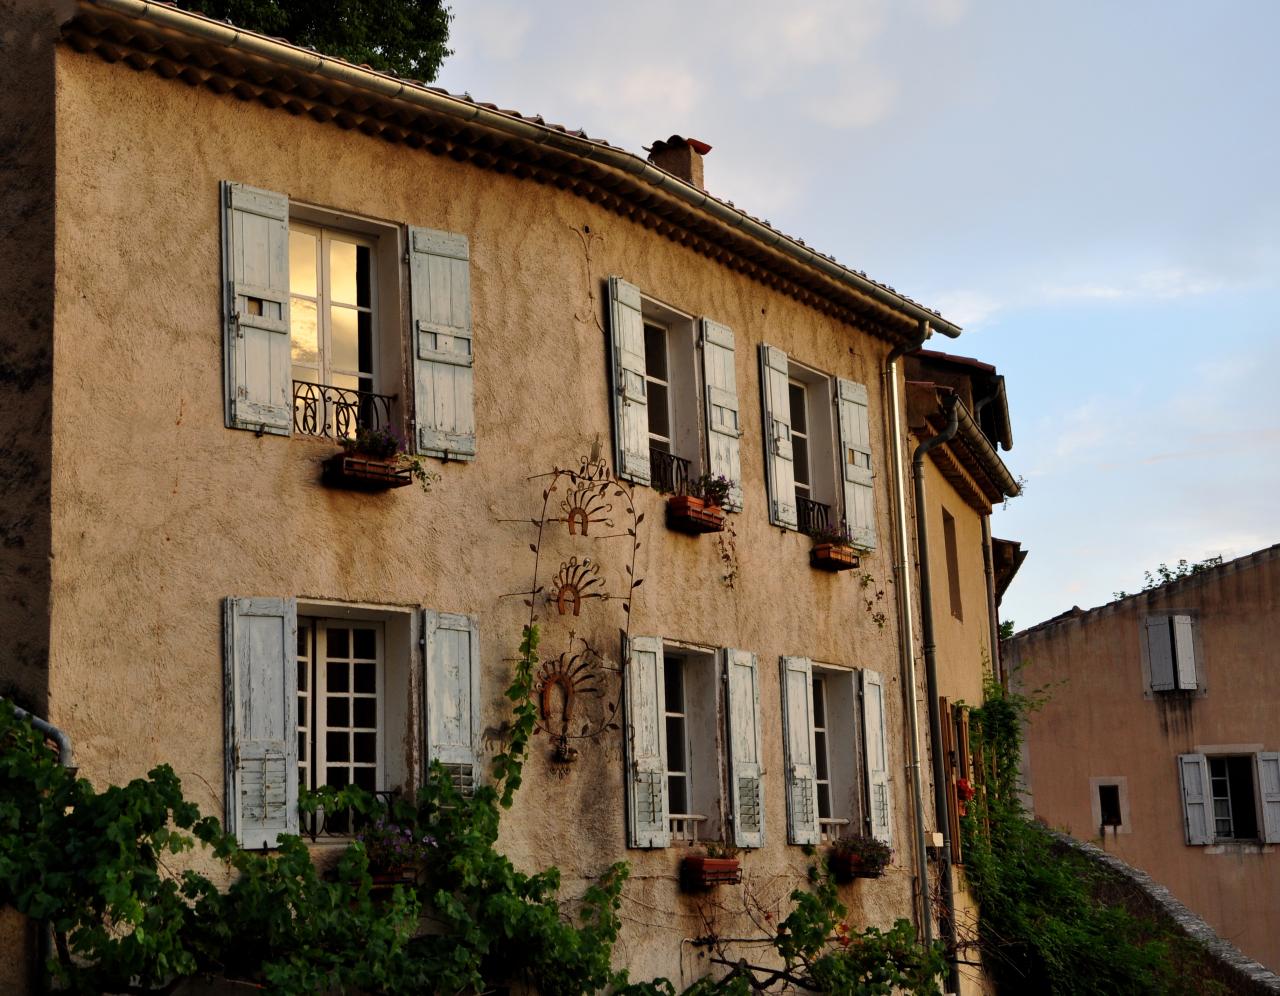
(420, 96)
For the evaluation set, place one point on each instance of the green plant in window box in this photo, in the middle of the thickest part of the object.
(376, 459)
(858, 856)
(395, 849)
(712, 489)
(833, 549)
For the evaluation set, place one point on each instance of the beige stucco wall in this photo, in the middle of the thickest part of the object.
(1098, 722)
(160, 512)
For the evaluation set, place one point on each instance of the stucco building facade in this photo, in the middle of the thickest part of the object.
(1160, 738)
(234, 252)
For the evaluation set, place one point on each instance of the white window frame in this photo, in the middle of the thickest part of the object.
(702, 718)
(842, 755)
(821, 448)
(686, 438)
(651, 379)
(1121, 784)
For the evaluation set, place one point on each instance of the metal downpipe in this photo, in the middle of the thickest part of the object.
(906, 621)
(993, 613)
(931, 681)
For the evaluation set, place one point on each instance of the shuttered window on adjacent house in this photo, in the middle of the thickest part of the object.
(1171, 653)
(1219, 801)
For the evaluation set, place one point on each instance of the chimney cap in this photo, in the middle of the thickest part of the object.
(676, 141)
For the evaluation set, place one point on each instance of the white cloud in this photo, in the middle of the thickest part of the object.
(1164, 284)
(493, 31)
(967, 308)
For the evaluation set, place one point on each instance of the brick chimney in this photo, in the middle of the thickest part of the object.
(681, 157)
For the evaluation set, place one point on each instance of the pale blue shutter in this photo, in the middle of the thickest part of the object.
(261, 667)
(801, 773)
(723, 423)
(1193, 775)
(780, 471)
(1184, 652)
(876, 752)
(1269, 795)
(453, 695)
(630, 391)
(443, 354)
(645, 744)
(855, 462)
(746, 784)
(255, 265)
(1160, 654)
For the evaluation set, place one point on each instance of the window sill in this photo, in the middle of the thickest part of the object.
(833, 557)
(1238, 847)
(353, 472)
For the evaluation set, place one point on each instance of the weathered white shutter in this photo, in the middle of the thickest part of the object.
(780, 473)
(645, 740)
(723, 423)
(746, 783)
(443, 353)
(453, 695)
(855, 462)
(797, 723)
(261, 666)
(876, 751)
(1193, 774)
(1269, 795)
(255, 267)
(1184, 651)
(1160, 654)
(630, 391)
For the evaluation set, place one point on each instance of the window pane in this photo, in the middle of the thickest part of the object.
(337, 642)
(336, 776)
(337, 746)
(820, 754)
(342, 271)
(364, 322)
(365, 642)
(366, 713)
(364, 276)
(824, 801)
(677, 795)
(675, 744)
(336, 712)
(800, 451)
(303, 337)
(673, 685)
(337, 677)
(799, 417)
(655, 351)
(346, 343)
(819, 703)
(366, 745)
(659, 414)
(302, 263)
(367, 779)
(366, 678)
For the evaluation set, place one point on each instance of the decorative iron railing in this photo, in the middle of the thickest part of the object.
(668, 472)
(337, 412)
(342, 822)
(814, 516)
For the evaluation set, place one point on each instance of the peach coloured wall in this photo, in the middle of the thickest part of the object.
(1098, 722)
(160, 512)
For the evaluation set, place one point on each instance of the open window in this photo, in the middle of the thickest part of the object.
(1169, 649)
(675, 402)
(1230, 797)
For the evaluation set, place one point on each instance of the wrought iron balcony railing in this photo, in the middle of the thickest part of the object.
(343, 822)
(813, 516)
(337, 412)
(668, 472)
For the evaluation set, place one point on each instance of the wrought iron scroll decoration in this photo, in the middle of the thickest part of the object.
(591, 503)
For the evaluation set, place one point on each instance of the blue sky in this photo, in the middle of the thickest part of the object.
(1091, 188)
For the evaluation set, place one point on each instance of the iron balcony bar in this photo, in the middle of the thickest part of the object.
(813, 516)
(337, 412)
(669, 473)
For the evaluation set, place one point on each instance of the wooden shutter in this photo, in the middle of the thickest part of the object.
(723, 422)
(261, 668)
(797, 723)
(630, 391)
(1193, 774)
(879, 798)
(645, 740)
(1184, 652)
(746, 785)
(453, 695)
(1160, 654)
(855, 462)
(1269, 795)
(255, 267)
(443, 350)
(780, 467)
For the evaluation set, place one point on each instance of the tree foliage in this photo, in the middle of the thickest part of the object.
(406, 38)
(1044, 924)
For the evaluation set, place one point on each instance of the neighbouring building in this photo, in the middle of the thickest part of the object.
(1160, 738)
(224, 254)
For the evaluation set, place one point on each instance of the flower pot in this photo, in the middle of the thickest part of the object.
(686, 514)
(833, 557)
(846, 867)
(698, 874)
(357, 472)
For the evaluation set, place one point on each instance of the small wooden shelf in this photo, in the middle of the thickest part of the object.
(361, 473)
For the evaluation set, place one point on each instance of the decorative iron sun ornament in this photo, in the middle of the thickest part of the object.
(560, 683)
(574, 584)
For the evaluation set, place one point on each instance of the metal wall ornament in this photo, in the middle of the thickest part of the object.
(577, 691)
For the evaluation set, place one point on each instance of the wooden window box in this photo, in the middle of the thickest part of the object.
(363, 473)
(846, 867)
(686, 514)
(833, 557)
(698, 873)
